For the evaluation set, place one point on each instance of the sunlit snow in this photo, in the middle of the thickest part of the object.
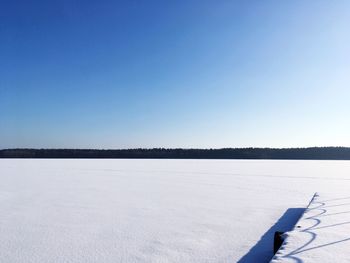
(154, 210)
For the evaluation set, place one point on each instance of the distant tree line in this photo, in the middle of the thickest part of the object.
(314, 153)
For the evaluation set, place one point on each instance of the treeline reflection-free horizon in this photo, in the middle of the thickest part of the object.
(312, 153)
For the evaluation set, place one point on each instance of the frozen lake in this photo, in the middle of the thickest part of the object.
(154, 210)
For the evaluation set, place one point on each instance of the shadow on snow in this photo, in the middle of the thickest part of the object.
(263, 249)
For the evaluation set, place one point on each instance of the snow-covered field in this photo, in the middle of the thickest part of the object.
(155, 210)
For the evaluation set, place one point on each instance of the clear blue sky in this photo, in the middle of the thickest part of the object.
(120, 74)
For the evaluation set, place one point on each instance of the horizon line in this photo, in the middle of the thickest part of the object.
(175, 148)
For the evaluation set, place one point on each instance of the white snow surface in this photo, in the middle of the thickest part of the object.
(156, 210)
(321, 235)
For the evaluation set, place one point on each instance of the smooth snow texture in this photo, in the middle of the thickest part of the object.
(321, 235)
(155, 210)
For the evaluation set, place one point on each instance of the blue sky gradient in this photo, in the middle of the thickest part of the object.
(125, 74)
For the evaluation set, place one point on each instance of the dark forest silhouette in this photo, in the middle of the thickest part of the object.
(314, 153)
